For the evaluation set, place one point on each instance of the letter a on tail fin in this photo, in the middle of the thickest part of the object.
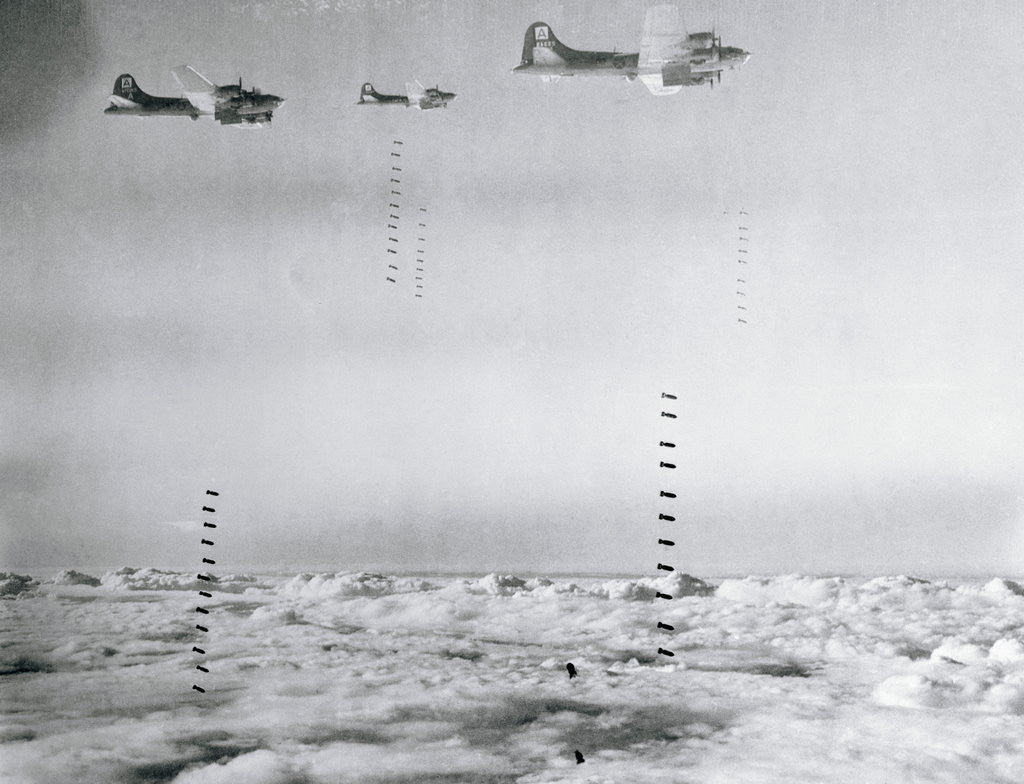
(126, 88)
(541, 47)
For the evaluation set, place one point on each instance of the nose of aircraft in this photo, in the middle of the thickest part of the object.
(735, 56)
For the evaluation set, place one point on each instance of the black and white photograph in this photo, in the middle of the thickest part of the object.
(454, 392)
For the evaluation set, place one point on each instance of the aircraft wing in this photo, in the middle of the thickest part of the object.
(416, 92)
(656, 84)
(199, 90)
(191, 80)
(664, 62)
(664, 40)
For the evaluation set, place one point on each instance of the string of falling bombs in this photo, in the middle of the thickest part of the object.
(420, 251)
(741, 282)
(664, 517)
(204, 594)
(394, 202)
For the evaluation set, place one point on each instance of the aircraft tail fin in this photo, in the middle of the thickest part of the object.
(540, 45)
(368, 93)
(126, 87)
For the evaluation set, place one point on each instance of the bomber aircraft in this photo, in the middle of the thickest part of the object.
(128, 98)
(669, 58)
(417, 96)
(229, 104)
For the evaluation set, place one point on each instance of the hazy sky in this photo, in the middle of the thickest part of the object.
(190, 306)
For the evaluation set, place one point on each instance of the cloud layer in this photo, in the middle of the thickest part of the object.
(361, 677)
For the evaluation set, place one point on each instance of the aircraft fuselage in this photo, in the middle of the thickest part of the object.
(581, 64)
(434, 98)
(128, 98)
(622, 64)
(153, 107)
(231, 98)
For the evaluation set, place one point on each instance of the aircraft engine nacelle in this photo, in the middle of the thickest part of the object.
(675, 75)
(242, 119)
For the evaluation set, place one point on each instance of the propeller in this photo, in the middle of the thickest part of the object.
(716, 56)
(242, 92)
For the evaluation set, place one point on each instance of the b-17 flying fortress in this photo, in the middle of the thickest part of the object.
(669, 59)
(416, 95)
(229, 104)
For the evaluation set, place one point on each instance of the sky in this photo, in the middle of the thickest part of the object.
(189, 306)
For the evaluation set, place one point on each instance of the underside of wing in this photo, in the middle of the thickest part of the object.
(654, 83)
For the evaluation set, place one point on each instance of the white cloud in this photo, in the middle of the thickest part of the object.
(361, 677)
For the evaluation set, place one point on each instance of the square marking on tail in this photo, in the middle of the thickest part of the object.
(541, 33)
